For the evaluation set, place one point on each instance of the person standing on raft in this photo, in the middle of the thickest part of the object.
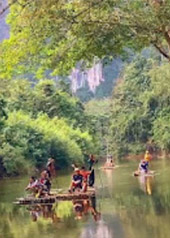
(91, 161)
(50, 167)
(144, 164)
(148, 156)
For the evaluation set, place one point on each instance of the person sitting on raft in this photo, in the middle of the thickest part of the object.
(45, 181)
(76, 183)
(144, 164)
(143, 168)
(85, 174)
(32, 184)
(39, 187)
(35, 186)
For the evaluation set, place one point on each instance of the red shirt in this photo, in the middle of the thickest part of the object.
(85, 174)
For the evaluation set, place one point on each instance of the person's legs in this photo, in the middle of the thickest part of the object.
(84, 187)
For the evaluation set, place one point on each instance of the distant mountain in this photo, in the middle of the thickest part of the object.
(98, 81)
(4, 28)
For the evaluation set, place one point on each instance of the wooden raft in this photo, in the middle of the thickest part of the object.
(55, 197)
(107, 167)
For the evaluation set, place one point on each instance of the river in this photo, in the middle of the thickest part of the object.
(126, 207)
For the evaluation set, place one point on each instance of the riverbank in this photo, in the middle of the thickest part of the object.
(131, 157)
(156, 156)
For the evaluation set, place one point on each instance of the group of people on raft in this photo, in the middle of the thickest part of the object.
(81, 179)
(41, 186)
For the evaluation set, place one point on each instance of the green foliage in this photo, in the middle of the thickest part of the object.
(140, 107)
(56, 35)
(38, 122)
(19, 95)
(41, 137)
(131, 119)
(99, 115)
(57, 103)
(43, 119)
(3, 114)
(13, 160)
(161, 131)
(64, 209)
(160, 83)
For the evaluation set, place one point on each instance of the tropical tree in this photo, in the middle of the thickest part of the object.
(57, 34)
(133, 108)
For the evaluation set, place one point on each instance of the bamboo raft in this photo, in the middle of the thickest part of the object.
(108, 167)
(56, 197)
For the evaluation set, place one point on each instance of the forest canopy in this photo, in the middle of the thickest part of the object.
(41, 122)
(140, 110)
(56, 35)
(48, 38)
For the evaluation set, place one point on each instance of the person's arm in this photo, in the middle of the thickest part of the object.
(27, 188)
(78, 181)
(33, 185)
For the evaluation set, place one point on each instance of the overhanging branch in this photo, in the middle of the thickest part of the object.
(7, 7)
(162, 51)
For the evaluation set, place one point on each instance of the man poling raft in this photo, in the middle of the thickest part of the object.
(91, 161)
(51, 167)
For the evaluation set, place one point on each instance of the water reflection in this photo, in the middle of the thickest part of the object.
(109, 175)
(146, 183)
(47, 212)
(127, 212)
(101, 230)
(108, 227)
(79, 209)
(82, 208)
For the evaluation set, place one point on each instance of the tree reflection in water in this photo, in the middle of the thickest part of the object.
(101, 230)
(109, 226)
(45, 211)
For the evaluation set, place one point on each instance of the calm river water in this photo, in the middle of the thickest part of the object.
(126, 207)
